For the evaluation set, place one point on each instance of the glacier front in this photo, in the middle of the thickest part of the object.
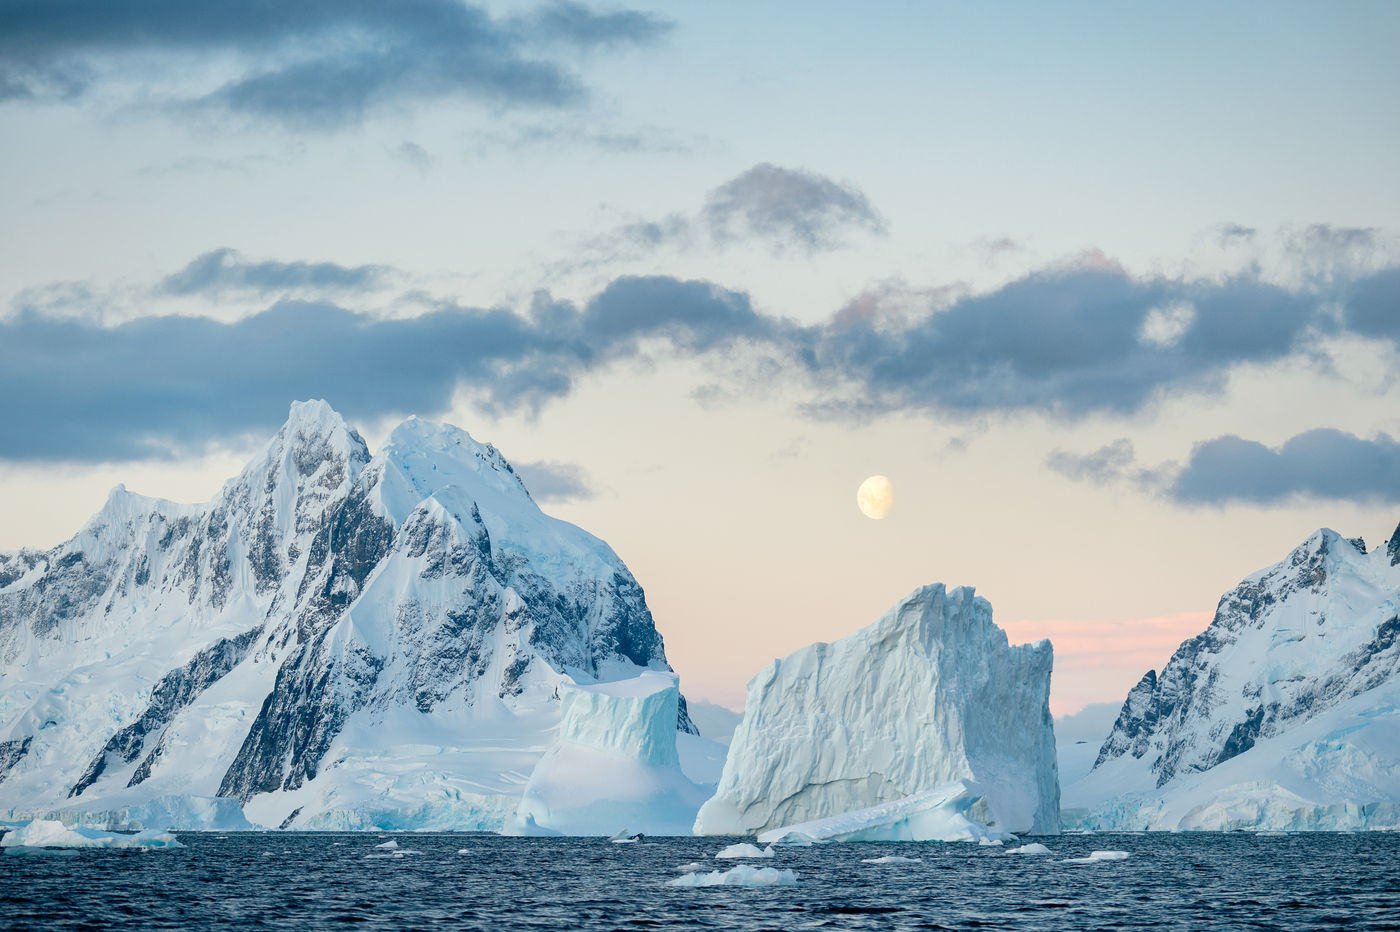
(929, 695)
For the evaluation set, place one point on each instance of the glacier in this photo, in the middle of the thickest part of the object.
(929, 695)
(1283, 715)
(336, 640)
(614, 767)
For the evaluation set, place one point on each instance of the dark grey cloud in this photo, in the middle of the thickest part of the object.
(785, 206)
(1066, 341)
(1106, 464)
(555, 482)
(1320, 464)
(164, 386)
(320, 63)
(779, 209)
(1231, 233)
(1373, 307)
(223, 271)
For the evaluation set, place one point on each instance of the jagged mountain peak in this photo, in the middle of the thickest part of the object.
(1289, 642)
(434, 455)
(324, 608)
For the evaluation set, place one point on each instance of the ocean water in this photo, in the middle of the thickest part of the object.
(335, 881)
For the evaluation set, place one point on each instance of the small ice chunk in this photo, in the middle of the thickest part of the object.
(892, 859)
(1097, 856)
(1032, 848)
(464, 851)
(50, 833)
(390, 845)
(692, 867)
(741, 875)
(746, 850)
(989, 842)
(797, 840)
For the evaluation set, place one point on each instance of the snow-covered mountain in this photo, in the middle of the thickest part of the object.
(930, 694)
(1284, 713)
(335, 640)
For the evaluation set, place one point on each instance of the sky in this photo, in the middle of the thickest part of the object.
(1110, 292)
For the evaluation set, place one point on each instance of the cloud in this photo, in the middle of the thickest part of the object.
(225, 270)
(555, 482)
(166, 386)
(1373, 308)
(1320, 464)
(1231, 233)
(1106, 464)
(317, 63)
(782, 209)
(788, 207)
(1065, 343)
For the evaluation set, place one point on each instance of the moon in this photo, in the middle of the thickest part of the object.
(875, 497)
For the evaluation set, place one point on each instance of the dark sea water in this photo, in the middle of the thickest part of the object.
(326, 881)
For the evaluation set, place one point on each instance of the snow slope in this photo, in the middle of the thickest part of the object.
(335, 640)
(930, 694)
(1283, 714)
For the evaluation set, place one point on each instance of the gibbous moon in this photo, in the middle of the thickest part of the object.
(875, 496)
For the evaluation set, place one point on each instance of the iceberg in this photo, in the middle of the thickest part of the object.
(745, 850)
(1032, 849)
(930, 694)
(614, 762)
(892, 859)
(741, 876)
(50, 833)
(943, 814)
(1098, 857)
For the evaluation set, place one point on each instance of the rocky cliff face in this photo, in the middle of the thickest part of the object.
(1314, 633)
(249, 647)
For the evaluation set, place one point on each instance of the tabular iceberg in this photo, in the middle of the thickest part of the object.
(930, 694)
(614, 764)
(1284, 714)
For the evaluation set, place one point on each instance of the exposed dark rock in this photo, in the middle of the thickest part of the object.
(176, 690)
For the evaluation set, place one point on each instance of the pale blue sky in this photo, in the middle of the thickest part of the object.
(1068, 242)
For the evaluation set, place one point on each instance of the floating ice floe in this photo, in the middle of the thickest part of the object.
(796, 840)
(942, 814)
(741, 876)
(390, 845)
(1032, 848)
(50, 833)
(1097, 856)
(990, 842)
(746, 850)
(892, 859)
(692, 867)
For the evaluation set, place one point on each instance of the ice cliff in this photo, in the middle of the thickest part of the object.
(335, 640)
(930, 694)
(615, 765)
(1283, 714)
